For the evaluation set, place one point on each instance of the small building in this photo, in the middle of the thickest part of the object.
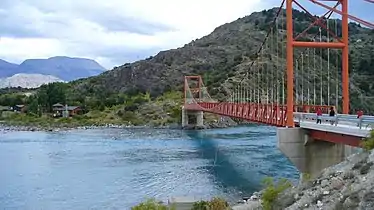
(65, 110)
(19, 108)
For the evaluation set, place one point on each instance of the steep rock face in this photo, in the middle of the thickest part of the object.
(164, 71)
(28, 80)
(225, 56)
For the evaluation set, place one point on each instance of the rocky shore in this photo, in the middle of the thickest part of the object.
(346, 186)
(12, 128)
(225, 122)
(216, 124)
(4, 127)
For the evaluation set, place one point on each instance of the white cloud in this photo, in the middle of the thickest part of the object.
(19, 49)
(111, 31)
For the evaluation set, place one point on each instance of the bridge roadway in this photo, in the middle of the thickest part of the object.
(343, 124)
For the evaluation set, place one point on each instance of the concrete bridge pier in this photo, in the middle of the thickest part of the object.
(188, 122)
(309, 156)
(199, 118)
(184, 117)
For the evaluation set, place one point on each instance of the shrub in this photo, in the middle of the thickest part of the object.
(214, 204)
(218, 204)
(368, 143)
(306, 177)
(200, 205)
(272, 191)
(132, 107)
(151, 205)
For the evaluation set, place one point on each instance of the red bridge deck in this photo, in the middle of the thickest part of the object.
(270, 114)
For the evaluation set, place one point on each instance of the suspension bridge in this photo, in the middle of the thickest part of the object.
(292, 76)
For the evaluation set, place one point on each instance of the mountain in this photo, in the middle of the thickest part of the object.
(65, 68)
(62, 67)
(225, 56)
(8, 69)
(28, 80)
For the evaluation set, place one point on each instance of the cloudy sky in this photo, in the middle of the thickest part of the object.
(114, 32)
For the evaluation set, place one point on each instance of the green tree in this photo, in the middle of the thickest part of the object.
(12, 99)
(33, 106)
(51, 94)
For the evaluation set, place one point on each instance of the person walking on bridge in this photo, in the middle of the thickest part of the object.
(319, 116)
(332, 114)
(360, 113)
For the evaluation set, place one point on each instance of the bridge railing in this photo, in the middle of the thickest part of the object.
(364, 122)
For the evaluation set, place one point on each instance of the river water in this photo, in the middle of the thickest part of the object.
(118, 168)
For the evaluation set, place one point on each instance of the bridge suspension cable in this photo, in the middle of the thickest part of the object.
(314, 75)
(283, 67)
(362, 22)
(303, 82)
(258, 86)
(328, 64)
(272, 69)
(337, 71)
(265, 65)
(258, 64)
(321, 68)
(308, 73)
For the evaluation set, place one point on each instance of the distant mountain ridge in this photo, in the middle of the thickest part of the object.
(7, 69)
(28, 80)
(65, 68)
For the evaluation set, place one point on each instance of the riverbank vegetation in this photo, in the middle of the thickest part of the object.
(119, 109)
(152, 205)
(368, 143)
(272, 190)
(213, 204)
(268, 199)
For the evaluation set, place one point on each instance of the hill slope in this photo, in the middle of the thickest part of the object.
(8, 69)
(225, 56)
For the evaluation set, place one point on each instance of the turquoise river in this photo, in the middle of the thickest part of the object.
(118, 168)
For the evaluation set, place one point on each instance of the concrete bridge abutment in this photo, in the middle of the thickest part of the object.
(192, 119)
(310, 156)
